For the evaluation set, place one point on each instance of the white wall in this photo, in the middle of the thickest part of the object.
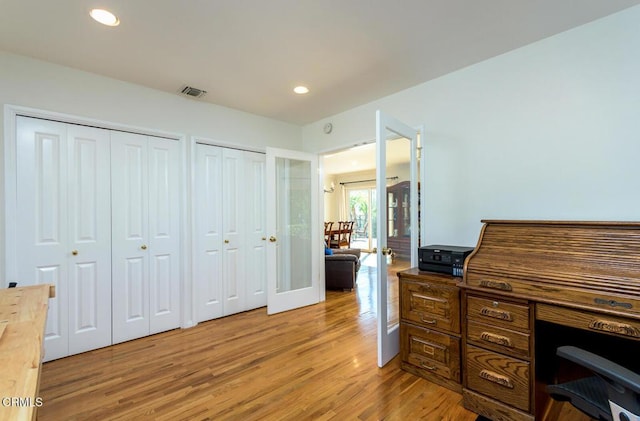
(548, 131)
(36, 84)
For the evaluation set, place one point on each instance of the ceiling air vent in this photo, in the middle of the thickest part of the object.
(193, 92)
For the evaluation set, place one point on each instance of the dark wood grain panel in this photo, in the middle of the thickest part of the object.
(431, 304)
(578, 262)
(498, 312)
(496, 375)
(495, 410)
(431, 351)
(597, 322)
(498, 339)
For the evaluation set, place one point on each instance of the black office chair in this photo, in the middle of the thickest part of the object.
(612, 394)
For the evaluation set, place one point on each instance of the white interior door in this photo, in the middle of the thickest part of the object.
(255, 222)
(130, 236)
(164, 234)
(145, 235)
(42, 246)
(233, 226)
(64, 229)
(394, 140)
(208, 270)
(89, 199)
(293, 230)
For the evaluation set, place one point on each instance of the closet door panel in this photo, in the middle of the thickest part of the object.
(256, 275)
(42, 249)
(233, 224)
(164, 234)
(208, 254)
(90, 238)
(130, 199)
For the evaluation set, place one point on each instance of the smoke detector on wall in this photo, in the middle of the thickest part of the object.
(193, 92)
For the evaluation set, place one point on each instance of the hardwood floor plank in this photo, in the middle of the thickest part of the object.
(314, 363)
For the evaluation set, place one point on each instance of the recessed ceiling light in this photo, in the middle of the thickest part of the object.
(301, 90)
(105, 17)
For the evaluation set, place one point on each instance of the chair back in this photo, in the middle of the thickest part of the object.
(346, 228)
(327, 233)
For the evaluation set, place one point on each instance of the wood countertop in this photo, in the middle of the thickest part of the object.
(23, 316)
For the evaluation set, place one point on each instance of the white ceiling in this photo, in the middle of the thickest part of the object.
(249, 54)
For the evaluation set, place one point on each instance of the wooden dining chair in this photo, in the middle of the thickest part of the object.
(334, 237)
(345, 234)
(342, 236)
(327, 233)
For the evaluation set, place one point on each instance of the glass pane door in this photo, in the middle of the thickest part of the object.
(397, 213)
(292, 220)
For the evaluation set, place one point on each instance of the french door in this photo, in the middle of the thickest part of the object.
(293, 230)
(393, 135)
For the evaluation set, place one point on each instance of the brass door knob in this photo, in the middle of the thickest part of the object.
(226, 241)
(143, 247)
(272, 239)
(74, 252)
(386, 251)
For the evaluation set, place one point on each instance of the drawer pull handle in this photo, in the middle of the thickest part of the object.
(428, 299)
(428, 347)
(428, 367)
(496, 314)
(502, 286)
(615, 327)
(429, 322)
(496, 378)
(496, 339)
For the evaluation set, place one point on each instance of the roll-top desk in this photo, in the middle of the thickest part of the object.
(531, 286)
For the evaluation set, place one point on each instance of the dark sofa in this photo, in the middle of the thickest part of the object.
(341, 268)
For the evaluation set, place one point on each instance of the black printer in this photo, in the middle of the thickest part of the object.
(443, 259)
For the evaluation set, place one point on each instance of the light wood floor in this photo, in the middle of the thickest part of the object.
(314, 363)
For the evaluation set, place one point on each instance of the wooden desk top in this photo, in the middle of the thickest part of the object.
(23, 315)
(588, 265)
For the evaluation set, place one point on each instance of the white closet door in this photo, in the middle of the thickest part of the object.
(233, 225)
(130, 236)
(42, 245)
(89, 238)
(256, 253)
(164, 234)
(208, 254)
(64, 232)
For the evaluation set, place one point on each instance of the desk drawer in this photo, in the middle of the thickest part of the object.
(597, 322)
(498, 339)
(498, 313)
(503, 378)
(431, 351)
(431, 305)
